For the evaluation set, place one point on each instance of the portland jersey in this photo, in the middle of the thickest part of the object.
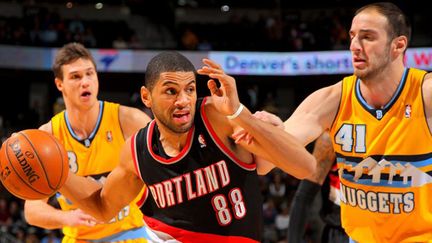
(96, 157)
(330, 194)
(385, 164)
(204, 194)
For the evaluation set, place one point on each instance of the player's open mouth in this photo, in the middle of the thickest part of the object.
(181, 117)
(85, 94)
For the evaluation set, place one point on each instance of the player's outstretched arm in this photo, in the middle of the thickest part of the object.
(272, 143)
(41, 214)
(120, 188)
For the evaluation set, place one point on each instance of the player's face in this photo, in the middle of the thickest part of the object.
(370, 44)
(173, 100)
(80, 83)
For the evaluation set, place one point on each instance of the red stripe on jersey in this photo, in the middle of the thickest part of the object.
(143, 197)
(178, 157)
(186, 236)
(134, 156)
(220, 144)
(334, 181)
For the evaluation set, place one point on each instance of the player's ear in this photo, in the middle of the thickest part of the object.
(401, 43)
(146, 97)
(59, 84)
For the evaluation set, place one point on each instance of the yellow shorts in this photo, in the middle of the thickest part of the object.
(137, 235)
(71, 240)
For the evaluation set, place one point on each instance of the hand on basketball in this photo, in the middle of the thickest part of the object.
(225, 97)
(78, 217)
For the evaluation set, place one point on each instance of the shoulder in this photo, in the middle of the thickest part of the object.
(47, 127)
(427, 87)
(132, 119)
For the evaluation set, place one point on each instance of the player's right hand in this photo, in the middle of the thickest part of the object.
(77, 217)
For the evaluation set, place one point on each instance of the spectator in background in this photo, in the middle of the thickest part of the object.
(281, 222)
(189, 40)
(119, 42)
(5, 218)
(277, 188)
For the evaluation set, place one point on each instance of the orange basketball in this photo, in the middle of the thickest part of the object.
(33, 164)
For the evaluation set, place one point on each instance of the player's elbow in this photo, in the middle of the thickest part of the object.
(300, 166)
(30, 214)
(307, 168)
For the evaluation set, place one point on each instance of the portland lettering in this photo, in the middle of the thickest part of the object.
(197, 183)
(22, 160)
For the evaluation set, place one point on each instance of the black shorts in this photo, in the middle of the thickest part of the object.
(332, 234)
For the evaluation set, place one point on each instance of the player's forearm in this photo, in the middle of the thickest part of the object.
(278, 146)
(41, 214)
(85, 194)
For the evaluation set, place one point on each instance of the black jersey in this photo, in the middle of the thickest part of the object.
(204, 194)
(330, 210)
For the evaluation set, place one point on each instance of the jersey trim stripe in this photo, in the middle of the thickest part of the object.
(186, 236)
(219, 143)
(171, 160)
(93, 133)
(398, 158)
(134, 156)
(143, 198)
(387, 107)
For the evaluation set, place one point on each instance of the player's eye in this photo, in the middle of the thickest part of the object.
(75, 76)
(190, 90)
(171, 91)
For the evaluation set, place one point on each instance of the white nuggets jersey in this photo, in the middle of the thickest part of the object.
(385, 164)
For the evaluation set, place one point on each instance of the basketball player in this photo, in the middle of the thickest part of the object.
(380, 122)
(202, 186)
(93, 132)
(325, 178)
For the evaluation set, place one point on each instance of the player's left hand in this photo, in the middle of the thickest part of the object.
(224, 97)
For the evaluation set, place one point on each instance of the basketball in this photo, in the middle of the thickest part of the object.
(33, 164)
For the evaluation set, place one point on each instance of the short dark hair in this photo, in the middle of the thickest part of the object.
(69, 53)
(169, 61)
(399, 24)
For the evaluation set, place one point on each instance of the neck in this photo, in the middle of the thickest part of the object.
(379, 90)
(83, 121)
(173, 143)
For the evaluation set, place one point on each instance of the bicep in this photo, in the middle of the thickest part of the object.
(315, 114)
(324, 153)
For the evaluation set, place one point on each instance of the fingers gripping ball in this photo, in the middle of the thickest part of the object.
(33, 164)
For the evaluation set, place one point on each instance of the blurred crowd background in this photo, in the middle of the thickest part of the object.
(187, 25)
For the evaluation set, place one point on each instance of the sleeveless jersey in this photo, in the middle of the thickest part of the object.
(385, 164)
(96, 157)
(204, 194)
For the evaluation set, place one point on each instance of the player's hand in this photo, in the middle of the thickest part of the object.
(224, 97)
(242, 136)
(78, 217)
(269, 118)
